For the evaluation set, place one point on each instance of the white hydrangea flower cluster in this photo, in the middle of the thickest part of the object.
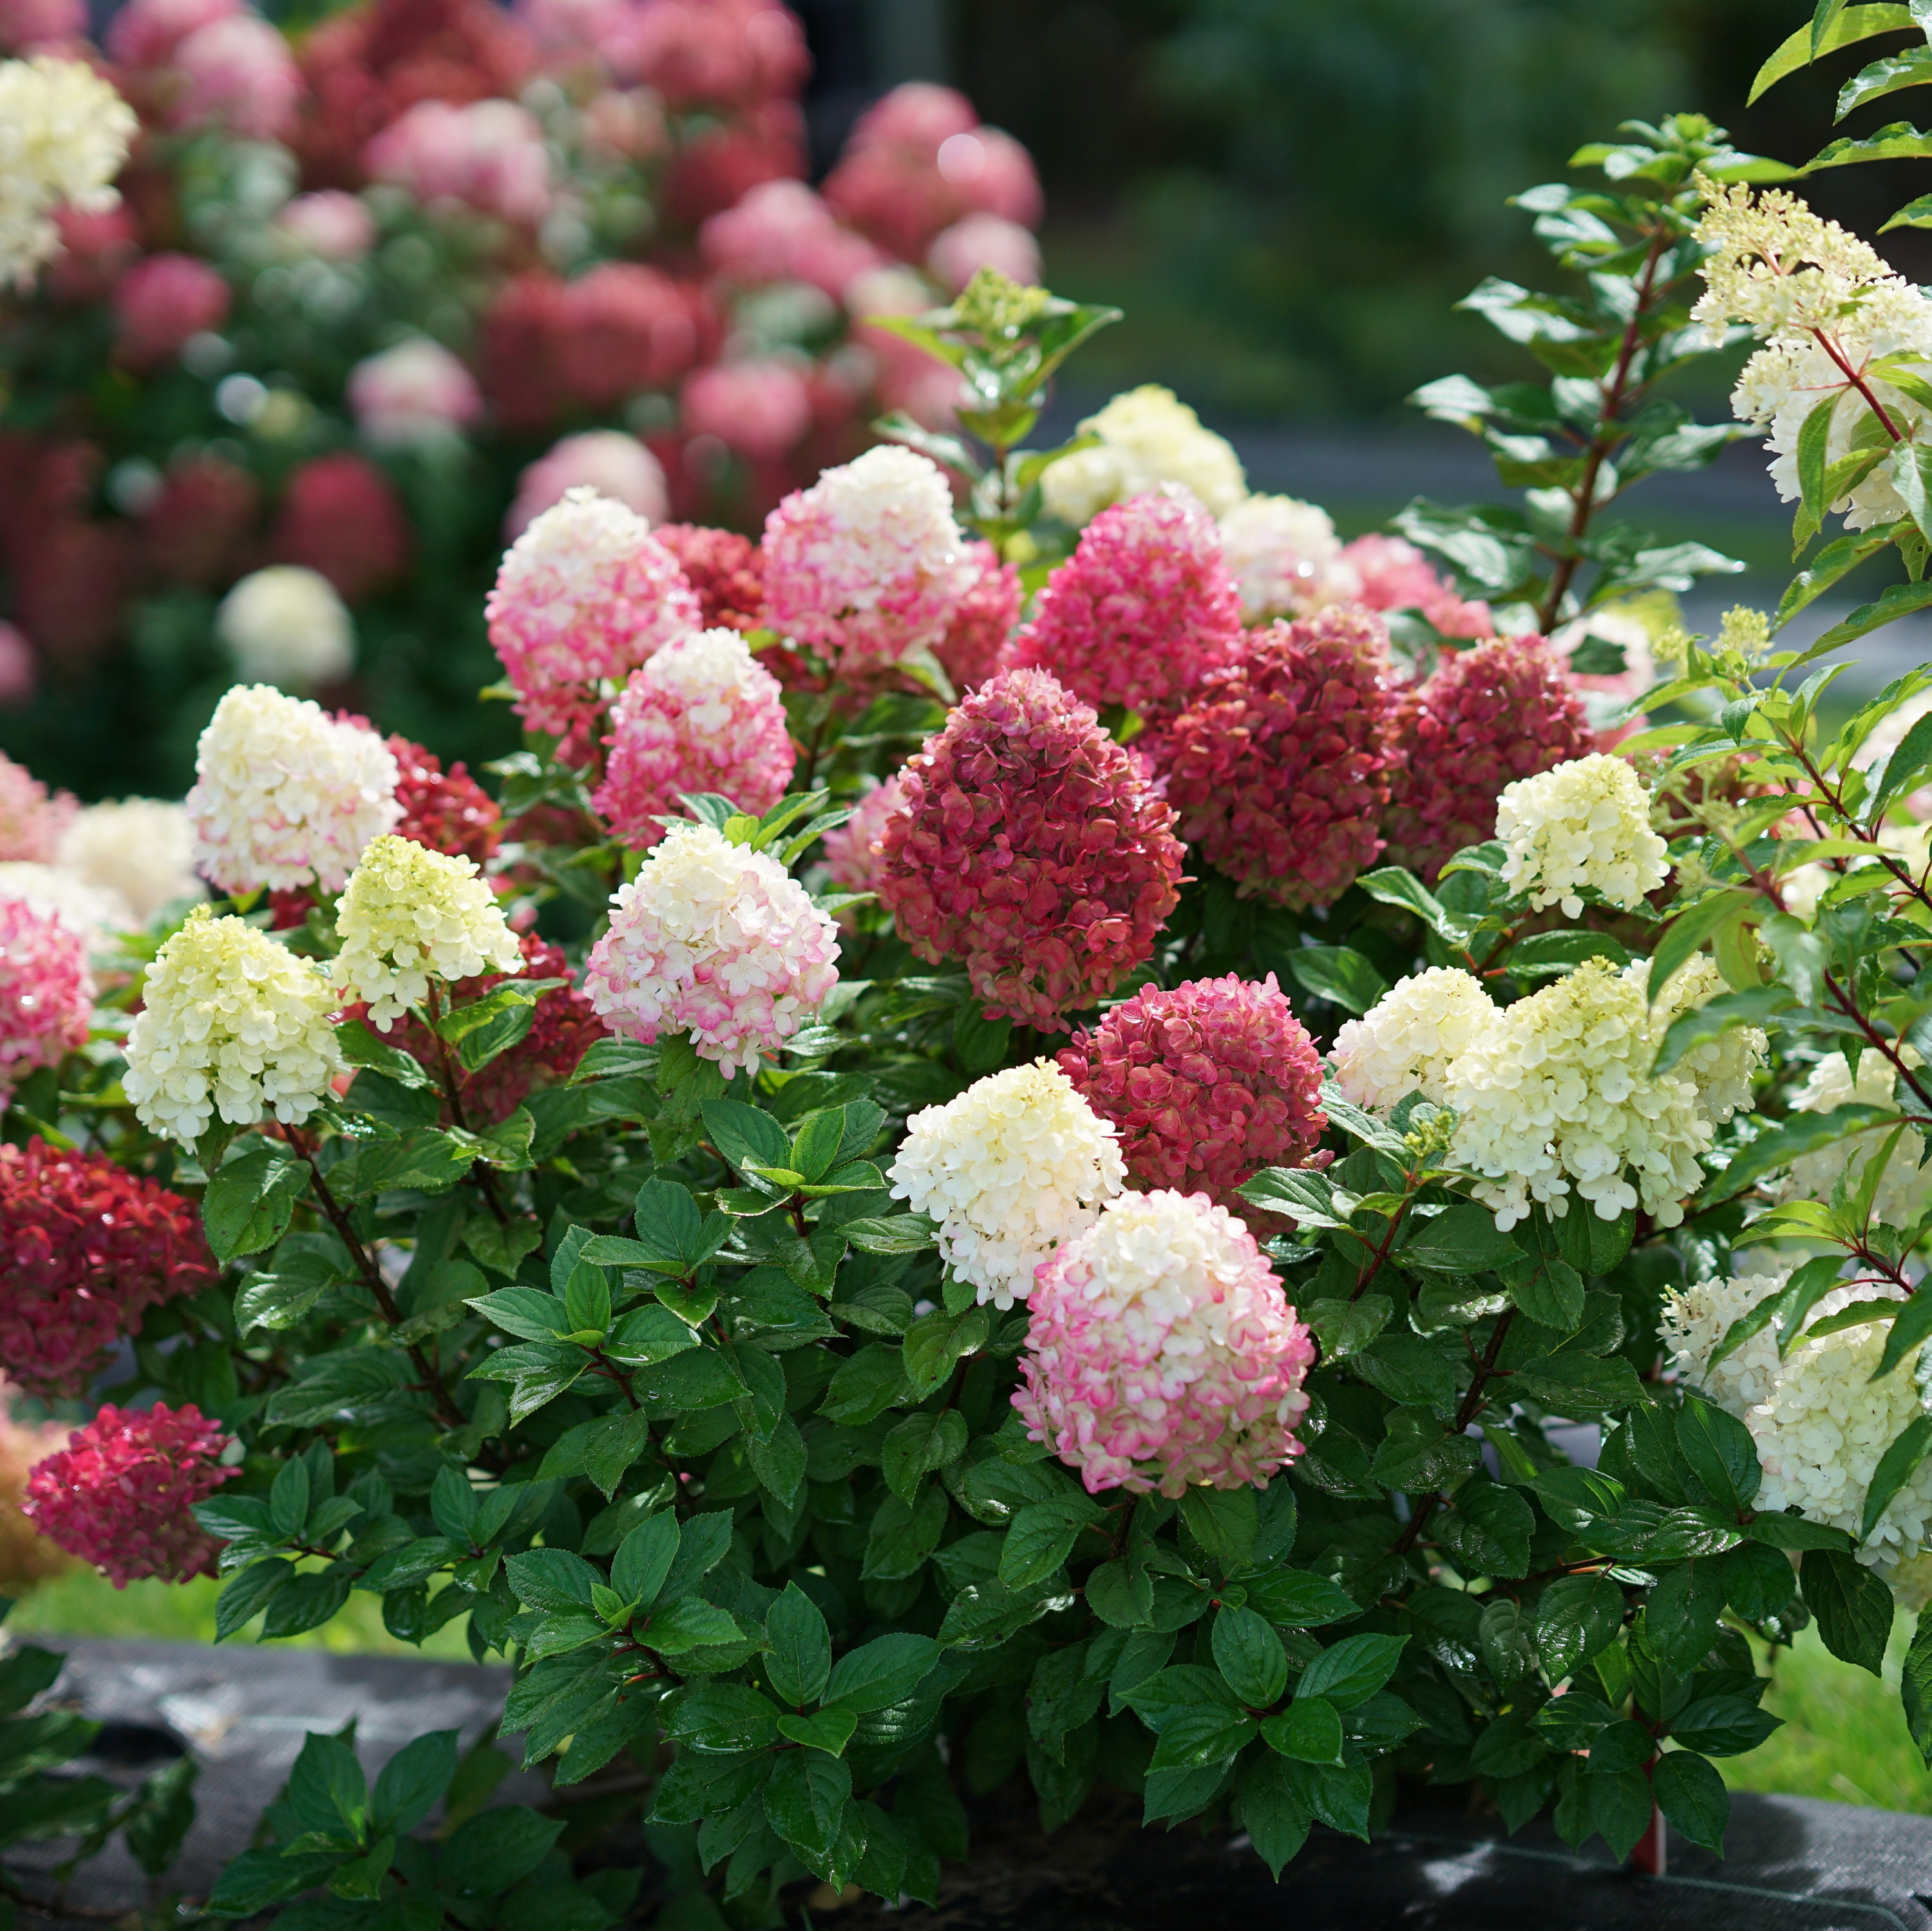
(1406, 1042)
(1823, 302)
(409, 915)
(96, 913)
(1148, 437)
(1820, 1422)
(1285, 557)
(1554, 1095)
(1016, 1164)
(64, 136)
(1581, 827)
(1905, 1189)
(716, 940)
(141, 849)
(1722, 1069)
(285, 795)
(285, 624)
(232, 1022)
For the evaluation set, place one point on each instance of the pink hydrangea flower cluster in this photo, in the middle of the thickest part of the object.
(760, 408)
(723, 53)
(163, 300)
(585, 595)
(238, 73)
(1140, 612)
(145, 33)
(416, 392)
(607, 461)
(716, 940)
(31, 823)
(119, 1495)
(982, 620)
(1387, 573)
(1161, 1352)
(488, 154)
(1207, 1084)
(1276, 766)
(783, 231)
(726, 570)
(703, 715)
(985, 241)
(1487, 717)
(867, 564)
(852, 849)
(1031, 847)
(89, 1247)
(46, 994)
(330, 223)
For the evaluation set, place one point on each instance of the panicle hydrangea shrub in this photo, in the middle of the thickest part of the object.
(1486, 718)
(1276, 766)
(233, 1022)
(714, 939)
(284, 795)
(1030, 847)
(703, 715)
(1141, 611)
(1015, 1166)
(1207, 1085)
(1162, 1354)
(46, 993)
(119, 1495)
(585, 595)
(89, 1247)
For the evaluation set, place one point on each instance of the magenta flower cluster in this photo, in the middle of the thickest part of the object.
(1031, 846)
(1276, 766)
(119, 1495)
(1206, 1083)
(46, 994)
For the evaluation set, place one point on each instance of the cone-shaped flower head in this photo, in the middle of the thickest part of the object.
(716, 940)
(1140, 612)
(1031, 846)
(64, 135)
(89, 1246)
(1276, 766)
(1207, 1084)
(585, 595)
(46, 996)
(119, 1494)
(410, 915)
(867, 564)
(1583, 827)
(1161, 1353)
(703, 715)
(233, 1021)
(285, 795)
(1407, 1040)
(1017, 1163)
(1486, 718)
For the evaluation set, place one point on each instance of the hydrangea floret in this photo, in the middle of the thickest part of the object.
(1018, 1163)
(716, 940)
(234, 1023)
(1161, 1352)
(285, 795)
(410, 918)
(1582, 826)
(1206, 1084)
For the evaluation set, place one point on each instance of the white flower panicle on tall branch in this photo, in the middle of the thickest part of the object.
(1582, 826)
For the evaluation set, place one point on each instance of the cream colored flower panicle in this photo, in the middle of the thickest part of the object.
(1582, 826)
(140, 849)
(1905, 1189)
(1406, 1040)
(1820, 1422)
(64, 135)
(285, 795)
(1555, 1097)
(409, 915)
(1284, 556)
(232, 1022)
(286, 626)
(1148, 437)
(1016, 1164)
(1721, 1069)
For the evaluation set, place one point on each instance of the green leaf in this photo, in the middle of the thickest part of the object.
(1352, 1670)
(1808, 1285)
(746, 1137)
(935, 1341)
(1916, 1686)
(1305, 1195)
(1575, 1617)
(1721, 1453)
(893, 1233)
(256, 1880)
(1692, 1795)
(1488, 1529)
(1462, 1240)
(248, 1203)
(411, 1784)
(493, 1025)
(1690, 930)
(1896, 1466)
(1275, 1809)
(1248, 1654)
(1723, 1726)
(1849, 27)
(1040, 1538)
(1336, 973)
(485, 1857)
(799, 1661)
(327, 1790)
(1798, 1134)
(722, 1718)
(902, 1535)
(1310, 1730)
(644, 1557)
(805, 1797)
(1706, 1023)
(1853, 1607)
(1681, 1618)
(880, 1673)
(827, 1730)
(1900, 600)
(1224, 1521)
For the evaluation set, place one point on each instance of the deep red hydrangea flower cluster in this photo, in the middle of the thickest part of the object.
(1276, 766)
(1207, 1084)
(1030, 846)
(726, 570)
(119, 1495)
(447, 811)
(89, 1247)
(1487, 717)
(340, 515)
(1140, 612)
